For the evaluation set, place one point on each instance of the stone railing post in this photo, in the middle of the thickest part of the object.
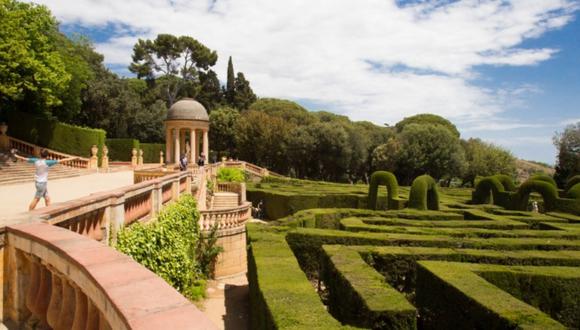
(105, 159)
(175, 189)
(140, 159)
(116, 218)
(94, 160)
(161, 158)
(242, 192)
(134, 157)
(157, 198)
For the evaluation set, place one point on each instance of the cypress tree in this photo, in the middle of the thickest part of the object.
(230, 85)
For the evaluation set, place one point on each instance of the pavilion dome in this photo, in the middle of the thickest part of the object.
(187, 109)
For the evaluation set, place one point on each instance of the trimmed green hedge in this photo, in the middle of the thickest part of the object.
(280, 295)
(65, 138)
(390, 181)
(548, 191)
(151, 152)
(424, 195)
(544, 177)
(484, 187)
(506, 181)
(443, 286)
(572, 182)
(574, 192)
(359, 296)
(120, 149)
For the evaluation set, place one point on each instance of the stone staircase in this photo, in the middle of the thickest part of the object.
(20, 171)
(225, 200)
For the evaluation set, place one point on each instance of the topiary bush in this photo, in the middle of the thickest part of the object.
(484, 187)
(545, 188)
(572, 182)
(228, 174)
(120, 149)
(424, 195)
(545, 178)
(574, 192)
(506, 181)
(167, 246)
(382, 178)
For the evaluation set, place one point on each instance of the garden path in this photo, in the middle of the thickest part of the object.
(227, 303)
(14, 198)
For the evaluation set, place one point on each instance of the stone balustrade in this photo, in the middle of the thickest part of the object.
(233, 187)
(31, 149)
(226, 219)
(55, 278)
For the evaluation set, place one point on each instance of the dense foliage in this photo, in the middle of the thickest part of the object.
(229, 174)
(485, 159)
(568, 145)
(169, 247)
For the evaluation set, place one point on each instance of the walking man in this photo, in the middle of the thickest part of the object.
(41, 175)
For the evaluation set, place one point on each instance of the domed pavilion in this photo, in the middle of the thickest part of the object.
(186, 131)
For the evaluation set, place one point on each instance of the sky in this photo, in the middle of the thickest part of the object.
(505, 71)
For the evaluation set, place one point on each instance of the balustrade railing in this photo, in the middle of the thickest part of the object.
(56, 279)
(31, 149)
(226, 219)
(138, 207)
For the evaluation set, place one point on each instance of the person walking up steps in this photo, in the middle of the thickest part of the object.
(41, 175)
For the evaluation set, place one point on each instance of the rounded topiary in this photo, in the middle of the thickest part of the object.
(506, 181)
(574, 192)
(382, 178)
(424, 194)
(543, 177)
(484, 187)
(545, 188)
(572, 182)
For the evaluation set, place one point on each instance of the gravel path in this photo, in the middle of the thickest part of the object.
(227, 303)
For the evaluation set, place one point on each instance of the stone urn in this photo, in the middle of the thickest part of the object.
(3, 128)
(94, 150)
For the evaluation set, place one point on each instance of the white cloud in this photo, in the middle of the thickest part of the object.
(320, 50)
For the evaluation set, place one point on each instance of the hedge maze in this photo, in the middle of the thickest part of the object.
(463, 266)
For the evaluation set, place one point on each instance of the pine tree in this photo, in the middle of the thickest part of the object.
(244, 95)
(230, 85)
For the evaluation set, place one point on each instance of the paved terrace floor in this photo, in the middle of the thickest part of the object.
(14, 198)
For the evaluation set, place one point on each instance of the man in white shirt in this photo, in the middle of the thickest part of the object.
(41, 175)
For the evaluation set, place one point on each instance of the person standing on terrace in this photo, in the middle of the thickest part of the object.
(41, 175)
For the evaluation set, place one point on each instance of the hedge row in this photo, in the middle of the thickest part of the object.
(280, 295)
(151, 152)
(442, 286)
(65, 138)
(390, 181)
(359, 296)
(424, 194)
(121, 149)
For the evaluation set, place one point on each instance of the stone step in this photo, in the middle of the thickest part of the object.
(225, 200)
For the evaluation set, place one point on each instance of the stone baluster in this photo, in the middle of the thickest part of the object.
(43, 294)
(33, 286)
(80, 315)
(55, 300)
(67, 309)
(93, 317)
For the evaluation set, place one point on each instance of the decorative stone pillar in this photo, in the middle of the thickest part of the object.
(134, 157)
(105, 160)
(4, 140)
(94, 161)
(161, 157)
(168, 145)
(140, 159)
(206, 146)
(193, 146)
(177, 148)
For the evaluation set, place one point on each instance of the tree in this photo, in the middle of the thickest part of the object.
(244, 95)
(429, 149)
(222, 131)
(32, 72)
(230, 83)
(385, 156)
(568, 161)
(210, 93)
(485, 159)
(288, 110)
(178, 59)
(427, 119)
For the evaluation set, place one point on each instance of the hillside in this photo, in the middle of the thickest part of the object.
(526, 168)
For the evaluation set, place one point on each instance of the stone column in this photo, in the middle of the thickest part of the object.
(193, 146)
(167, 145)
(177, 149)
(206, 146)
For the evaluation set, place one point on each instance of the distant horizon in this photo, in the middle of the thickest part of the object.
(506, 72)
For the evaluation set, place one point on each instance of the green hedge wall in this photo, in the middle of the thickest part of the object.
(548, 191)
(390, 181)
(424, 195)
(69, 139)
(151, 152)
(572, 182)
(506, 181)
(545, 178)
(120, 149)
(574, 192)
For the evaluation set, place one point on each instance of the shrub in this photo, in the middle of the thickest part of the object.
(228, 174)
(545, 188)
(506, 181)
(151, 152)
(545, 178)
(424, 195)
(572, 182)
(167, 246)
(49, 133)
(383, 178)
(496, 185)
(574, 192)
(120, 149)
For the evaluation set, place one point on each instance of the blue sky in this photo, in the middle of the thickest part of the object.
(505, 71)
